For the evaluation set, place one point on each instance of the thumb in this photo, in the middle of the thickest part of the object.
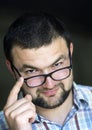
(28, 97)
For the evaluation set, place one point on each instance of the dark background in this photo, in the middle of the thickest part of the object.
(77, 15)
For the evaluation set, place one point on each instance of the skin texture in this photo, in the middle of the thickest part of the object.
(56, 96)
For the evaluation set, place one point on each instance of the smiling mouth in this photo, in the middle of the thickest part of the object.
(50, 92)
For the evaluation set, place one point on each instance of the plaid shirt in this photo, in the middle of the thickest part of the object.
(79, 118)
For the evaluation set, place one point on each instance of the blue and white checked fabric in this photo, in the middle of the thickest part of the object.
(79, 118)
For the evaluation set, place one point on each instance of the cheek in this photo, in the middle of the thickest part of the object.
(68, 82)
(30, 91)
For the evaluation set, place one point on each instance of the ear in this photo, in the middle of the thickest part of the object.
(71, 48)
(8, 64)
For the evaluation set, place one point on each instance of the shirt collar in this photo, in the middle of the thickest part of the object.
(80, 96)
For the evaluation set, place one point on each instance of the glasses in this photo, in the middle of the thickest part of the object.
(38, 80)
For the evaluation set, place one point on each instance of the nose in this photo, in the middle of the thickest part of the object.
(49, 83)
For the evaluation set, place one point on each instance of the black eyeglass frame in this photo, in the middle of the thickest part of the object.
(45, 75)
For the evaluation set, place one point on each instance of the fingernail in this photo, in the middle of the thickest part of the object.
(21, 79)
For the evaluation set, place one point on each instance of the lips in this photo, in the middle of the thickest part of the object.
(50, 92)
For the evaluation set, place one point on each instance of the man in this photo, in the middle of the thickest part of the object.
(38, 53)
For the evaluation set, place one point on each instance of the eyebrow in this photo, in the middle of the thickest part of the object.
(33, 67)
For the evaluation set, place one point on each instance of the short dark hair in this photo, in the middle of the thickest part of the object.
(34, 31)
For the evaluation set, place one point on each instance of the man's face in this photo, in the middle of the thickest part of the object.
(31, 62)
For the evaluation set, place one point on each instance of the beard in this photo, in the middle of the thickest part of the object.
(59, 100)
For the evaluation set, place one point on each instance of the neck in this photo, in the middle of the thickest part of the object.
(64, 109)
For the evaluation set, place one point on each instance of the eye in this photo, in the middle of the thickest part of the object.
(30, 71)
(58, 64)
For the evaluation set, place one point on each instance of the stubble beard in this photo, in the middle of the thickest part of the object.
(41, 102)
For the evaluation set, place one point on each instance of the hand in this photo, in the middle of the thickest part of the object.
(19, 113)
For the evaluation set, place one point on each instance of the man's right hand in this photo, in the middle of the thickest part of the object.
(20, 114)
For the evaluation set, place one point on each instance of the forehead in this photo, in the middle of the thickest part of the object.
(40, 57)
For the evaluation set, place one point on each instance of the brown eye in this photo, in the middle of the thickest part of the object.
(30, 71)
(58, 64)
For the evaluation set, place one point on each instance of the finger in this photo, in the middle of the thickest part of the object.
(19, 105)
(20, 109)
(28, 97)
(14, 92)
(26, 116)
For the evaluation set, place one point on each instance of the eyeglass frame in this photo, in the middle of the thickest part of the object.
(45, 75)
